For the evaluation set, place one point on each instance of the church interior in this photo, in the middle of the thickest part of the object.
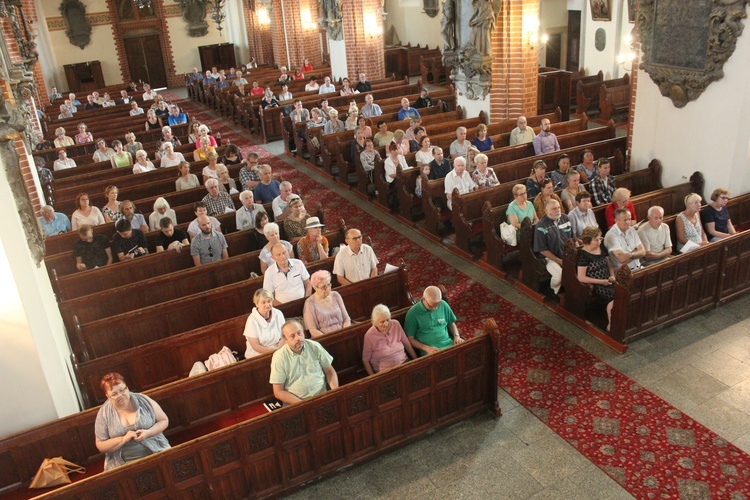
(547, 398)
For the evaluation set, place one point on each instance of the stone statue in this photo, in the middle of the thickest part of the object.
(194, 15)
(482, 24)
(332, 18)
(448, 26)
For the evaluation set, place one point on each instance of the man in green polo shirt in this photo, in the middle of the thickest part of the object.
(430, 324)
(301, 367)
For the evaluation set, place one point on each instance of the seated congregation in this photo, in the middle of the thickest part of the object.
(229, 259)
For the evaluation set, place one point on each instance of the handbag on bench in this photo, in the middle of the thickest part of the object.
(54, 472)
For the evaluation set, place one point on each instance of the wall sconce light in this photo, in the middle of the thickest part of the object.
(371, 25)
(263, 17)
(625, 59)
(306, 18)
(531, 30)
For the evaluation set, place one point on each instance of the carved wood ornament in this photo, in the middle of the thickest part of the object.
(686, 43)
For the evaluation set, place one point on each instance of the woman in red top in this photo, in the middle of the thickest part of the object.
(620, 199)
(306, 67)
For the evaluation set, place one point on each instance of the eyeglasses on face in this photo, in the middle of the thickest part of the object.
(115, 394)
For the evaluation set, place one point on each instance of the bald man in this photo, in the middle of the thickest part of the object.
(430, 324)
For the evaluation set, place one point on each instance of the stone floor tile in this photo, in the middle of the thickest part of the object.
(738, 396)
(723, 367)
(721, 417)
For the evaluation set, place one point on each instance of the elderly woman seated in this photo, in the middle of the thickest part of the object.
(386, 344)
(595, 268)
(324, 310)
(271, 232)
(128, 425)
(161, 210)
(263, 326)
(620, 199)
(62, 140)
(313, 246)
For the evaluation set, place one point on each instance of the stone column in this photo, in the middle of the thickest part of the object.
(515, 49)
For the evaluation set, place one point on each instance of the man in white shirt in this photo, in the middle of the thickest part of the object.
(199, 208)
(245, 216)
(287, 279)
(356, 261)
(623, 243)
(280, 204)
(458, 178)
(327, 86)
(148, 94)
(655, 236)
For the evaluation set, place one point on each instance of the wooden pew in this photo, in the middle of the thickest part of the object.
(613, 98)
(175, 355)
(588, 93)
(580, 76)
(315, 438)
(572, 144)
(553, 91)
(165, 287)
(113, 334)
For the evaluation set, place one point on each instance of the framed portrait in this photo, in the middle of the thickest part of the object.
(631, 11)
(600, 10)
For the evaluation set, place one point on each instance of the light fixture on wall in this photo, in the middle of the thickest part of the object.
(263, 18)
(142, 4)
(307, 21)
(217, 12)
(372, 27)
(531, 30)
(625, 59)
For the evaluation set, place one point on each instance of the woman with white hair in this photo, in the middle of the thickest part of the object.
(334, 125)
(142, 163)
(484, 176)
(170, 158)
(386, 344)
(161, 210)
(203, 131)
(263, 327)
(324, 310)
(271, 232)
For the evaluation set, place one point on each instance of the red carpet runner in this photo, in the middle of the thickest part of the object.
(652, 449)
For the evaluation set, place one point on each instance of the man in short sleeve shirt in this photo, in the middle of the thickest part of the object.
(430, 324)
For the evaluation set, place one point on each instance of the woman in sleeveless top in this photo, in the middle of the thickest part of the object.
(688, 223)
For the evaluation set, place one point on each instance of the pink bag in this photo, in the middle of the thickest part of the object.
(225, 357)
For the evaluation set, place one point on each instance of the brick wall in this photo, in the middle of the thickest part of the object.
(258, 37)
(514, 64)
(364, 42)
(302, 38)
(633, 89)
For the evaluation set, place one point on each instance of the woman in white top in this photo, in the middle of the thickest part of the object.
(211, 171)
(161, 210)
(142, 163)
(399, 138)
(285, 95)
(103, 153)
(63, 162)
(271, 231)
(394, 158)
(424, 155)
(170, 158)
(185, 180)
(263, 326)
(86, 214)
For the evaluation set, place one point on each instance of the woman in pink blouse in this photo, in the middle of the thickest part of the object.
(324, 310)
(386, 344)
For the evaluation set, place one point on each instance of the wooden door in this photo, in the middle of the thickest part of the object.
(554, 45)
(574, 40)
(145, 60)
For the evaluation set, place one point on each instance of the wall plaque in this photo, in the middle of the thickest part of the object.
(685, 43)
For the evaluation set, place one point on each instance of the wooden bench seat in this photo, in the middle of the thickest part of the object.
(165, 287)
(613, 98)
(350, 425)
(176, 354)
(580, 76)
(587, 93)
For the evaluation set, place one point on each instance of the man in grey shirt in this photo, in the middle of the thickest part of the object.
(209, 245)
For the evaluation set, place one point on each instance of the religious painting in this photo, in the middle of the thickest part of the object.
(631, 11)
(600, 10)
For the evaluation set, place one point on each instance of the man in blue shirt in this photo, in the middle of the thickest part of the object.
(53, 223)
(268, 188)
(176, 117)
(407, 111)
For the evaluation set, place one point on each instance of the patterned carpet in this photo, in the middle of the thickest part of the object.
(649, 447)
